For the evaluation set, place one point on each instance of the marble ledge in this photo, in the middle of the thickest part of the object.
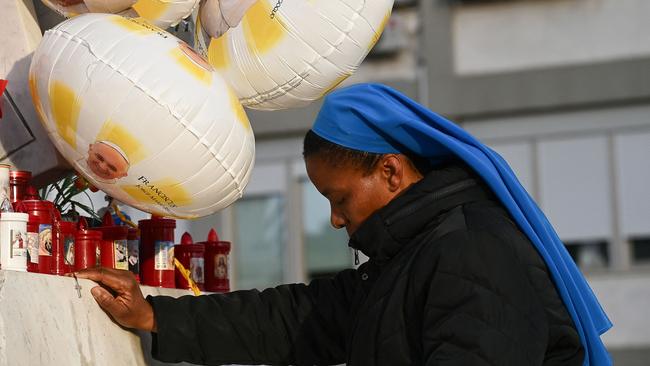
(44, 322)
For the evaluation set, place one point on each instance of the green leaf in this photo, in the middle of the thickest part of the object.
(88, 210)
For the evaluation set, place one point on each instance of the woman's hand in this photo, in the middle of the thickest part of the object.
(126, 306)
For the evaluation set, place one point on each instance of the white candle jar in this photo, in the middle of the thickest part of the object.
(13, 241)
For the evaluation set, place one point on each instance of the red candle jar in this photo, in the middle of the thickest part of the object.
(31, 194)
(157, 252)
(216, 264)
(133, 244)
(18, 183)
(43, 214)
(191, 257)
(113, 246)
(63, 248)
(85, 248)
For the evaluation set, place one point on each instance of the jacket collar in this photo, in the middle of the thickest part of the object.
(393, 226)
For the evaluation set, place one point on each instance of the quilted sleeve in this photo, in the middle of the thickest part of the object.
(291, 324)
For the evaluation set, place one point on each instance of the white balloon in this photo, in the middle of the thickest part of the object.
(141, 115)
(162, 13)
(286, 54)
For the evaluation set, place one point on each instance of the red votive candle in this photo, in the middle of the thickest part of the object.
(113, 246)
(191, 257)
(63, 248)
(157, 252)
(86, 247)
(216, 264)
(42, 214)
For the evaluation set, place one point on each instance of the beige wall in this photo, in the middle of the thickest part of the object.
(536, 34)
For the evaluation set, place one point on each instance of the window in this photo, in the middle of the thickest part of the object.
(326, 249)
(641, 250)
(574, 186)
(589, 255)
(260, 241)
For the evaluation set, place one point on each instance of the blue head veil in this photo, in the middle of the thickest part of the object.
(378, 119)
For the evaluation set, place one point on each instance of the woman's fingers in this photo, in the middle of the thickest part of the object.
(107, 302)
(125, 303)
(115, 279)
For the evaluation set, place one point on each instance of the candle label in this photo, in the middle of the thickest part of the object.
(164, 256)
(221, 266)
(98, 254)
(120, 250)
(134, 256)
(32, 248)
(18, 243)
(196, 269)
(45, 240)
(68, 250)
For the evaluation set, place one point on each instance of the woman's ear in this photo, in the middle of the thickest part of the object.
(392, 169)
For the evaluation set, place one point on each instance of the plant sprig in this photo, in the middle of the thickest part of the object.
(67, 189)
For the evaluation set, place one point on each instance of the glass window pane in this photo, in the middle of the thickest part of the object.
(641, 250)
(589, 255)
(575, 189)
(326, 249)
(633, 174)
(260, 241)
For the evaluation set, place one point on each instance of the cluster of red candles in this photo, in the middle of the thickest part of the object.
(55, 246)
(207, 262)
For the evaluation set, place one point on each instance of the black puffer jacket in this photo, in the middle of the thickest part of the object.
(451, 281)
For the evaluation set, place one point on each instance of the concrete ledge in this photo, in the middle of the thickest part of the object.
(44, 322)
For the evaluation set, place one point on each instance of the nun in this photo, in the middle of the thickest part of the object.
(463, 269)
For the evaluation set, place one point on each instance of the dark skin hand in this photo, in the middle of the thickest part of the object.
(126, 305)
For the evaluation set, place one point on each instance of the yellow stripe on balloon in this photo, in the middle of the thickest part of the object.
(36, 99)
(186, 61)
(118, 135)
(150, 9)
(261, 31)
(240, 113)
(165, 192)
(135, 25)
(336, 83)
(65, 105)
(379, 31)
(218, 52)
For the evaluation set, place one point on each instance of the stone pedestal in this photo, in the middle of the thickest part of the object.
(44, 322)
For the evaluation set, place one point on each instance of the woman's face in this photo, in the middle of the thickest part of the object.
(355, 194)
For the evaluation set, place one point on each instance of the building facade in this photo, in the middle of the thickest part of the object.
(560, 88)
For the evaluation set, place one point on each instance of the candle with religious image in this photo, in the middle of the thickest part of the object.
(13, 241)
(157, 252)
(216, 263)
(191, 255)
(63, 248)
(86, 243)
(42, 217)
(113, 246)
